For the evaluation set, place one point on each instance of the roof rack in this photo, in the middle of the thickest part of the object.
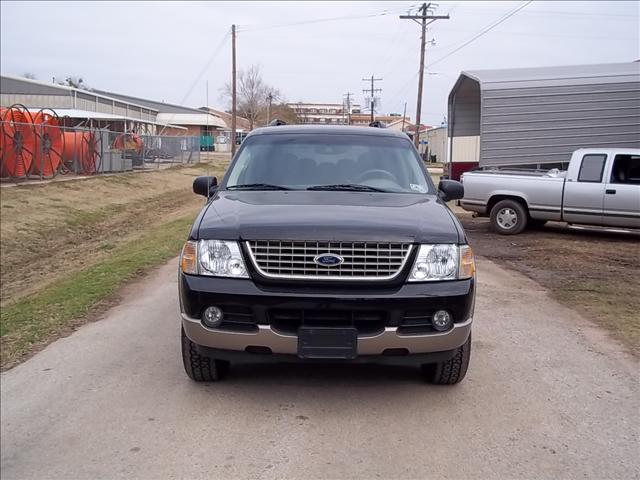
(276, 122)
(377, 124)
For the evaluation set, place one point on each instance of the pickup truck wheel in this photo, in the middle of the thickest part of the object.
(509, 217)
(198, 367)
(452, 371)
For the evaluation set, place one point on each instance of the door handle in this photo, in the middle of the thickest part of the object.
(610, 191)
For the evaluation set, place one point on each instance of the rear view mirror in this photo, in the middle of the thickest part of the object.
(205, 185)
(450, 190)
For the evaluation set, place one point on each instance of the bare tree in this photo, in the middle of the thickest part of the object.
(29, 75)
(252, 93)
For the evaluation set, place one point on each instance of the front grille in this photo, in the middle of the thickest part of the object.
(288, 320)
(296, 259)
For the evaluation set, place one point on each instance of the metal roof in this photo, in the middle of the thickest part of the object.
(202, 119)
(89, 114)
(160, 106)
(553, 76)
(23, 87)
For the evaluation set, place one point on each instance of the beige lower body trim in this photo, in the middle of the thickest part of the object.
(288, 344)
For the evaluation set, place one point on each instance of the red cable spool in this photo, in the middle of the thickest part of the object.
(128, 141)
(49, 143)
(17, 142)
(2, 110)
(81, 149)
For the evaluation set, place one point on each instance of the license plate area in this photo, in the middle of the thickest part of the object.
(327, 343)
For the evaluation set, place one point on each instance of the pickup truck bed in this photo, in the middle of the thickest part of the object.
(600, 187)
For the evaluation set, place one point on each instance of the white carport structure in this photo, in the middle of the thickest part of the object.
(534, 116)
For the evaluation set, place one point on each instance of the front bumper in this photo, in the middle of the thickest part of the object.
(267, 336)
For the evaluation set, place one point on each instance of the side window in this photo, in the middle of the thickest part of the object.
(626, 169)
(591, 168)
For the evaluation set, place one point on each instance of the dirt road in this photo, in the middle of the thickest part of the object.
(548, 395)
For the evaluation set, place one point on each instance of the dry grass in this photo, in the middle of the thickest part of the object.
(68, 246)
(52, 229)
(591, 271)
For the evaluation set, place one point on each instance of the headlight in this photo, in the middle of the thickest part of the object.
(442, 262)
(218, 258)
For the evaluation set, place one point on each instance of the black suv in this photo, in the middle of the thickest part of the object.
(327, 244)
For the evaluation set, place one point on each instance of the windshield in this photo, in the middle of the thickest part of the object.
(328, 162)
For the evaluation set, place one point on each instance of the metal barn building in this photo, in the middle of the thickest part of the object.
(77, 104)
(535, 117)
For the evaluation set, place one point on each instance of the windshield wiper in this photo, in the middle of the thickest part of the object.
(258, 186)
(347, 187)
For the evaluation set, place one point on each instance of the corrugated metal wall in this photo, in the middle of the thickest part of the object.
(37, 95)
(545, 124)
(36, 101)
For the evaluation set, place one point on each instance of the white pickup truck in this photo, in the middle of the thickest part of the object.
(600, 187)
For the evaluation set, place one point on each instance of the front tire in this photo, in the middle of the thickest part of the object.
(451, 371)
(509, 217)
(198, 367)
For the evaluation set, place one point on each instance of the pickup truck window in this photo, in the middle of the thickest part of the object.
(626, 169)
(302, 161)
(591, 168)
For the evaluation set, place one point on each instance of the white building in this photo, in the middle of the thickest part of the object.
(437, 144)
(323, 113)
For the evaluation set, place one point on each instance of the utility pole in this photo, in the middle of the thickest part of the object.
(207, 134)
(269, 100)
(404, 115)
(425, 14)
(233, 90)
(348, 95)
(372, 91)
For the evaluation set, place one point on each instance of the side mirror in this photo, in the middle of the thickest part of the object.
(450, 190)
(205, 185)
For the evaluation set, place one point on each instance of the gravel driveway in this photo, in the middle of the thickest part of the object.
(548, 395)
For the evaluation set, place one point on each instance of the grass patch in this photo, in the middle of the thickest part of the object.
(49, 313)
(609, 304)
(577, 268)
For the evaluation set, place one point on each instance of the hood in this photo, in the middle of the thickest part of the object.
(328, 216)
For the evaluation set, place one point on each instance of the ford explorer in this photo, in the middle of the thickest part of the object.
(327, 244)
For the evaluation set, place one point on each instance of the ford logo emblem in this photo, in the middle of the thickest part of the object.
(328, 259)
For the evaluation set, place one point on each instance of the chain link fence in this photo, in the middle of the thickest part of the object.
(43, 149)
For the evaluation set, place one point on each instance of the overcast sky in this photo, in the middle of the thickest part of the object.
(159, 50)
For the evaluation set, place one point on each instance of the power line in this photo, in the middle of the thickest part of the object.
(575, 14)
(213, 56)
(392, 51)
(482, 32)
(255, 28)
(403, 90)
(532, 34)
(204, 70)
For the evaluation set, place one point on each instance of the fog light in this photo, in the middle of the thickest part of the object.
(441, 320)
(212, 317)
